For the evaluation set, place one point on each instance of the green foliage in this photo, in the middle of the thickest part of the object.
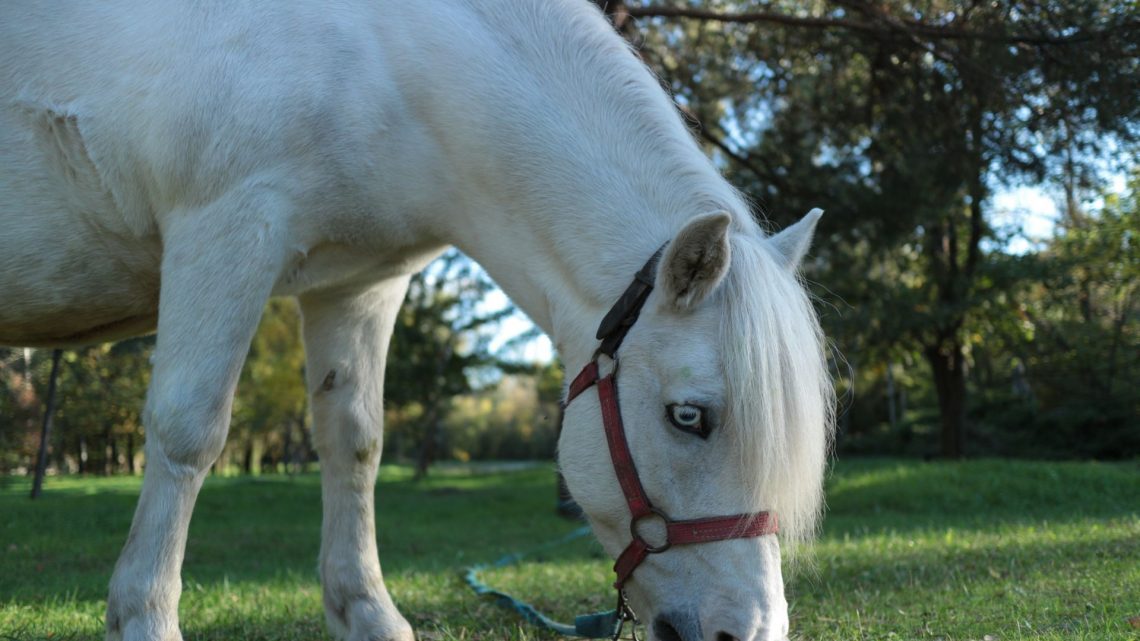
(902, 120)
(441, 349)
(956, 551)
(1080, 347)
(442, 333)
(513, 420)
(98, 424)
(20, 370)
(270, 421)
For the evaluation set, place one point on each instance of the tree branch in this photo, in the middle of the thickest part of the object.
(914, 27)
(749, 17)
(740, 159)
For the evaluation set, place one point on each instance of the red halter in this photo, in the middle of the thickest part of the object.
(611, 332)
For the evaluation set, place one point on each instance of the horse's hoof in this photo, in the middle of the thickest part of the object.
(143, 627)
(366, 619)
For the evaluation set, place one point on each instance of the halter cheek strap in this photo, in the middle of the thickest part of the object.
(677, 532)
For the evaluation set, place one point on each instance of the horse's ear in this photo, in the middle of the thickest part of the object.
(695, 261)
(793, 242)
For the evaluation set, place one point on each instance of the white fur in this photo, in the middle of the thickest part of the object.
(327, 150)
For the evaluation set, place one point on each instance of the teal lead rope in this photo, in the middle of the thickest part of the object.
(599, 625)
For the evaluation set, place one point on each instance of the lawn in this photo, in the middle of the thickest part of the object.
(910, 550)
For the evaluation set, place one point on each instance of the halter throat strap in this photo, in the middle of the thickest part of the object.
(612, 331)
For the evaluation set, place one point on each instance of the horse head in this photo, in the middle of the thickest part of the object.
(720, 392)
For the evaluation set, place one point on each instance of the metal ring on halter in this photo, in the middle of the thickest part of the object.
(650, 548)
(613, 361)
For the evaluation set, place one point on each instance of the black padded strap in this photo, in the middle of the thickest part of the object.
(625, 311)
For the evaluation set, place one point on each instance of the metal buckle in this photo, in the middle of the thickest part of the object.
(624, 615)
(653, 512)
(614, 361)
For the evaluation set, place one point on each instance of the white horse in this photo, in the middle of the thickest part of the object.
(170, 165)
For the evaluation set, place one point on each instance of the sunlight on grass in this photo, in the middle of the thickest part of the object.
(950, 551)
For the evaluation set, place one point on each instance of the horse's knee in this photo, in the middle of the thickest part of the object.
(348, 417)
(189, 433)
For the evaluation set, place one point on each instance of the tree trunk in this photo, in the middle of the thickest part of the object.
(247, 459)
(82, 451)
(287, 447)
(948, 364)
(892, 416)
(434, 415)
(108, 449)
(427, 452)
(1118, 324)
(114, 468)
(306, 443)
(45, 431)
(131, 453)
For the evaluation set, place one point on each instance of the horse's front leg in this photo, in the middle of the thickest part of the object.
(346, 343)
(218, 267)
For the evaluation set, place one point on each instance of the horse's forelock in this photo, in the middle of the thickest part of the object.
(778, 390)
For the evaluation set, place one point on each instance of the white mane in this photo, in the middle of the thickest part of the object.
(777, 384)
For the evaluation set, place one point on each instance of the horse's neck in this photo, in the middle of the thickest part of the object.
(570, 164)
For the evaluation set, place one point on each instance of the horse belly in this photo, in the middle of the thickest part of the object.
(70, 272)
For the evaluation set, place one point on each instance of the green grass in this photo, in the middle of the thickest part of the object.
(910, 550)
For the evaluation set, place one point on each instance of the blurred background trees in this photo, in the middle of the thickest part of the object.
(904, 120)
(962, 323)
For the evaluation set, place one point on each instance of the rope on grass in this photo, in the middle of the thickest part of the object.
(599, 625)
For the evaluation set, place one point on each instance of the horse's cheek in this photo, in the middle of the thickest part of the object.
(585, 463)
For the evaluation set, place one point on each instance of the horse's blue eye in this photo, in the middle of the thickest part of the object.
(688, 418)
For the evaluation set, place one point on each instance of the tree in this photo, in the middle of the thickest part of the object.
(907, 116)
(514, 419)
(1083, 351)
(45, 433)
(440, 347)
(21, 374)
(271, 402)
(100, 410)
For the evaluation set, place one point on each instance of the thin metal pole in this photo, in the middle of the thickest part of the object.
(45, 431)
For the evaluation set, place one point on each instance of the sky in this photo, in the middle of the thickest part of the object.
(1029, 209)
(539, 350)
(1035, 212)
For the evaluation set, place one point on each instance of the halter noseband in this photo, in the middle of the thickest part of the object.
(611, 332)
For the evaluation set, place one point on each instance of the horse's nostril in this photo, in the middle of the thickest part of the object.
(665, 631)
(677, 625)
(724, 636)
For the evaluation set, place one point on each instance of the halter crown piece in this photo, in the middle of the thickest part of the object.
(611, 333)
